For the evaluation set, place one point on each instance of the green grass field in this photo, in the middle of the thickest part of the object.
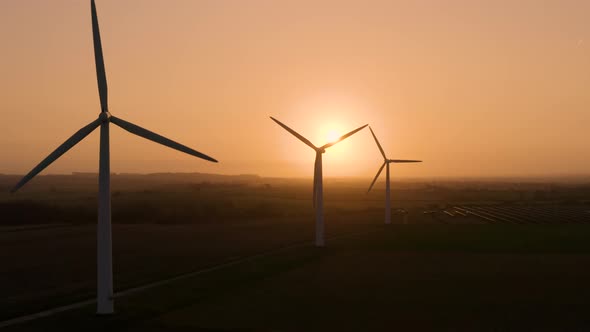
(403, 277)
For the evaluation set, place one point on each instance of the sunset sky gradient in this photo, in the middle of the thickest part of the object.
(473, 88)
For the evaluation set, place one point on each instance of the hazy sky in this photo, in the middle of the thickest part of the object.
(474, 88)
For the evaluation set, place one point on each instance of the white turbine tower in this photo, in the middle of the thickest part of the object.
(386, 162)
(104, 297)
(318, 196)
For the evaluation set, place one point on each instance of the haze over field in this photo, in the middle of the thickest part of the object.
(474, 88)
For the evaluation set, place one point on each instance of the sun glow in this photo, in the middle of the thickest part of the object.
(330, 117)
(332, 136)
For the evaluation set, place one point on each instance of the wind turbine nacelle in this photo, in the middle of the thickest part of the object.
(105, 116)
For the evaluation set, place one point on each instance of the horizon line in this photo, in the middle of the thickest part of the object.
(418, 177)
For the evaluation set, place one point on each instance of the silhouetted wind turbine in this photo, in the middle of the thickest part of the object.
(318, 196)
(386, 162)
(104, 296)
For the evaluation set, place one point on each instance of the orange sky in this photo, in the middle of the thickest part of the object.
(474, 88)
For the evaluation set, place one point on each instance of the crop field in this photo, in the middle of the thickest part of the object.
(408, 277)
(464, 258)
(53, 266)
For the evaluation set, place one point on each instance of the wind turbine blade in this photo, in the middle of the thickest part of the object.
(294, 133)
(376, 176)
(68, 144)
(343, 137)
(378, 145)
(101, 76)
(137, 130)
(404, 161)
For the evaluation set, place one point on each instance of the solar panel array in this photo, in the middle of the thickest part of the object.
(520, 214)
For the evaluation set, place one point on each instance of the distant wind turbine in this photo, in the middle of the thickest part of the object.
(386, 162)
(318, 196)
(104, 296)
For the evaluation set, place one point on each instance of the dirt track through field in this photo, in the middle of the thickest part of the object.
(134, 290)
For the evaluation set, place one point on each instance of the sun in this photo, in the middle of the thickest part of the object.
(332, 136)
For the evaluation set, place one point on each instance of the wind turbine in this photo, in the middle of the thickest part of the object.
(318, 196)
(386, 162)
(104, 297)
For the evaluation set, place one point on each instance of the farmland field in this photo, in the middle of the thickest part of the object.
(467, 259)
(56, 266)
(458, 277)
